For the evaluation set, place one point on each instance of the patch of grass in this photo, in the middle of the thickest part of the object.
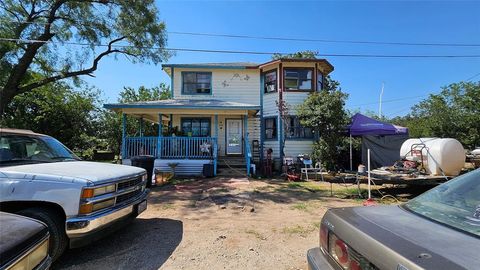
(302, 187)
(167, 206)
(300, 206)
(176, 181)
(298, 229)
(316, 225)
(257, 235)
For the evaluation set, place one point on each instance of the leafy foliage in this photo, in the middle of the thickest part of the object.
(298, 55)
(453, 113)
(68, 38)
(56, 110)
(325, 113)
(111, 122)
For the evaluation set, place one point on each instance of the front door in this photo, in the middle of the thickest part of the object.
(234, 136)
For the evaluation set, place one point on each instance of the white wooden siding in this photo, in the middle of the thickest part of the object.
(275, 147)
(293, 99)
(238, 85)
(269, 104)
(253, 129)
(294, 148)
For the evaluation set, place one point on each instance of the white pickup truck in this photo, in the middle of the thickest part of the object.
(79, 201)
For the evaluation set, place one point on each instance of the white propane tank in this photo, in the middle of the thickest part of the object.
(439, 154)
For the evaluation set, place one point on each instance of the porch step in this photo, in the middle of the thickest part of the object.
(231, 162)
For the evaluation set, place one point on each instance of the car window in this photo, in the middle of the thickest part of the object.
(455, 203)
(20, 148)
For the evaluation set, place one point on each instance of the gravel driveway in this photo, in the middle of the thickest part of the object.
(223, 223)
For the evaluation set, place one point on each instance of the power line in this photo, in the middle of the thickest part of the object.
(300, 39)
(390, 100)
(244, 52)
(326, 40)
(471, 78)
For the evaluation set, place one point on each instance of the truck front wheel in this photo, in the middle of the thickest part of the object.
(56, 228)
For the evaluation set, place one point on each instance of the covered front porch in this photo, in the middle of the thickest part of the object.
(190, 133)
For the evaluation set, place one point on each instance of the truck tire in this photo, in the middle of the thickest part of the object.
(56, 228)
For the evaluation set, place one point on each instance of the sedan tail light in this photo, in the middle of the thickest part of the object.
(340, 252)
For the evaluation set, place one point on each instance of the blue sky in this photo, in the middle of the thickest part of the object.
(361, 78)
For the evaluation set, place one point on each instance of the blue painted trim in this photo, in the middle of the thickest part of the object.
(141, 126)
(154, 106)
(172, 82)
(247, 144)
(206, 66)
(215, 146)
(160, 134)
(216, 125)
(280, 136)
(160, 125)
(124, 135)
(198, 72)
(262, 127)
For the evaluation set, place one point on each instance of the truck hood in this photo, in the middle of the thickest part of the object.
(95, 172)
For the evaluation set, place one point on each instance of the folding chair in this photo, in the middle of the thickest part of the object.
(308, 167)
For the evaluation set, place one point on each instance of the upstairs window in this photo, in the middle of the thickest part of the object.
(296, 131)
(196, 83)
(270, 128)
(298, 79)
(270, 84)
(319, 80)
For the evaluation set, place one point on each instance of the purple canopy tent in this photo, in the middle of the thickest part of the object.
(362, 125)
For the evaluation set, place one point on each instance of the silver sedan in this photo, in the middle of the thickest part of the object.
(439, 229)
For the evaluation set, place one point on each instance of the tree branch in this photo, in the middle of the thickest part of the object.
(87, 71)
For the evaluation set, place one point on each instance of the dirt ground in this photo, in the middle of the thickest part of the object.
(223, 223)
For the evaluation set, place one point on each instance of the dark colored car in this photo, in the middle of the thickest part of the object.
(23, 243)
(439, 229)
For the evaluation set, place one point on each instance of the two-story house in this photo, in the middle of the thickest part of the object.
(222, 110)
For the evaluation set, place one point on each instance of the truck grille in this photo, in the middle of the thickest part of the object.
(129, 183)
(128, 196)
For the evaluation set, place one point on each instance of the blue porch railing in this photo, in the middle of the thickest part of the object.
(171, 147)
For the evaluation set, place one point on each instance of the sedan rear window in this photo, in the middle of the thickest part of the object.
(455, 203)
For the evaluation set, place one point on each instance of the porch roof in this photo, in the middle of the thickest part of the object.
(209, 104)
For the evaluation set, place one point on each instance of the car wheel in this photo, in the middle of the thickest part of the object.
(56, 228)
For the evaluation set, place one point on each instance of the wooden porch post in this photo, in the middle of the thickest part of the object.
(141, 126)
(124, 135)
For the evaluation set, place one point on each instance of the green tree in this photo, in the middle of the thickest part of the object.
(111, 122)
(57, 38)
(325, 113)
(56, 110)
(298, 55)
(453, 113)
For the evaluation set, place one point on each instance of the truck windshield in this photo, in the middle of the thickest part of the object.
(455, 203)
(15, 149)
